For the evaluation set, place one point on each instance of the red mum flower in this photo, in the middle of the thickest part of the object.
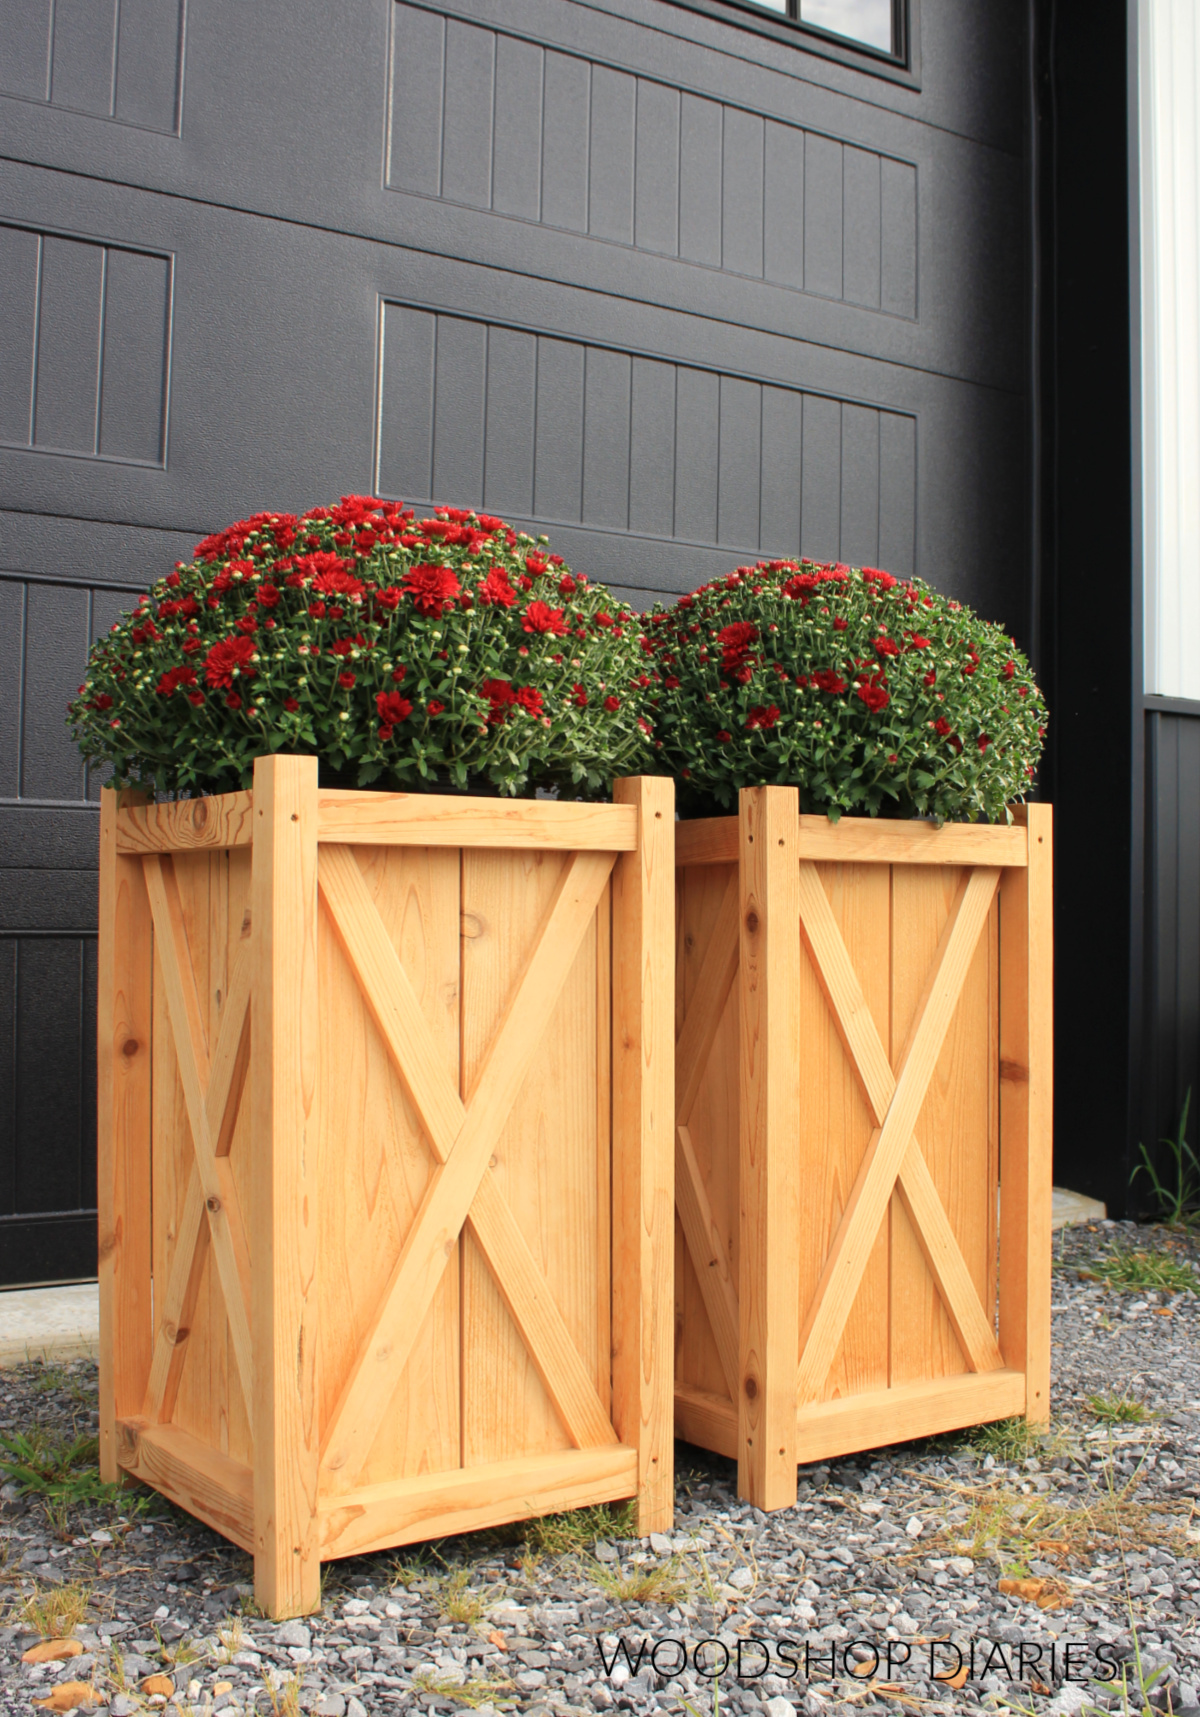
(1010, 669)
(290, 705)
(828, 680)
(764, 716)
(916, 642)
(496, 589)
(602, 619)
(872, 575)
(233, 701)
(886, 647)
(247, 624)
(432, 588)
(724, 737)
(435, 706)
(539, 617)
(529, 698)
(985, 739)
(578, 697)
(566, 585)
(840, 625)
(612, 704)
(393, 709)
(102, 702)
(941, 726)
(735, 641)
(231, 656)
(931, 678)
(268, 596)
(874, 696)
(536, 564)
(336, 582)
(173, 679)
(346, 680)
(500, 696)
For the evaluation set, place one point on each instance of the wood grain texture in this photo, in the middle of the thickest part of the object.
(871, 840)
(702, 896)
(706, 840)
(1026, 1113)
(925, 1408)
(453, 1184)
(123, 1129)
(283, 1076)
(375, 1150)
(220, 821)
(207, 1121)
(881, 1164)
(643, 1145)
(416, 819)
(709, 1421)
(965, 1055)
(768, 1291)
(403, 1511)
(213, 1486)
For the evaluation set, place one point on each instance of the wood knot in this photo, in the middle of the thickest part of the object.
(212, 1204)
(130, 1046)
(752, 923)
(751, 1387)
(199, 813)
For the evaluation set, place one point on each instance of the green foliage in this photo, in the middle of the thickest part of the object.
(1141, 1272)
(1177, 1197)
(871, 695)
(1118, 1409)
(63, 1470)
(1007, 1439)
(443, 654)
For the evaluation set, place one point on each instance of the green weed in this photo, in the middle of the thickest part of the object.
(1007, 1439)
(1118, 1409)
(63, 1470)
(1178, 1194)
(472, 1692)
(568, 1534)
(649, 1583)
(1146, 1272)
(55, 1611)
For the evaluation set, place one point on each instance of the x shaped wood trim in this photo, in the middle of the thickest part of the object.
(462, 1137)
(212, 1094)
(707, 1246)
(893, 1153)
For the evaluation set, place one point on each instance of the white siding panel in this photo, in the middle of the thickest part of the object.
(1170, 245)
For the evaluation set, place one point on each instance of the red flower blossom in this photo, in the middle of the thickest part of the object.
(886, 647)
(434, 706)
(735, 641)
(500, 696)
(102, 701)
(346, 680)
(724, 737)
(916, 642)
(393, 709)
(578, 697)
(530, 699)
(536, 564)
(432, 588)
(388, 598)
(828, 680)
(290, 705)
(496, 590)
(172, 680)
(231, 656)
(233, 701)
(603, 620)
(872, 575)
(247, 624)
(612, 704)
(873, 695)
(764, 716)
(1009, 670)
(840, 625)
(985, 739)
(941, 726)
(566, 585)
(539, 617)
(268, 596)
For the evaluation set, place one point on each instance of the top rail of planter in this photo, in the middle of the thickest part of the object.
(387, 819)
(864, 840)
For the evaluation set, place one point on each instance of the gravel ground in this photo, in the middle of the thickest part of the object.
(980, 1548)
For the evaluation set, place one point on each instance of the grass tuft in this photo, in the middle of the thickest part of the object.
(56, 1611)
(1007, 1439)
(457, 1602)
(664, 1583)
(1146, 1272)
(472, 1692)
(61, 1469)
(1119, 1409)
(569, 1534)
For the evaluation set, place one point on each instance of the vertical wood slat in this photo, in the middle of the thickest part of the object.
(643, 1119)
(123, 1132)
(1026, 1112)
(769, 1291)
(284, 1062)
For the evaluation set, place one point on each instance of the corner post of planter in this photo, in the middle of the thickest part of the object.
(125, 957)
(283, 1076)
(643, 1133)
(1026, 1110)
(769, 1290)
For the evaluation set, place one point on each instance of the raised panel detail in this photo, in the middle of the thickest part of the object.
(117, 59)
(485, 120)
(572, 433)
(83, 369)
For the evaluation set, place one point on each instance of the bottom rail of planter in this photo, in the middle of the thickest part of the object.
(220, 1491)
(848, 1424)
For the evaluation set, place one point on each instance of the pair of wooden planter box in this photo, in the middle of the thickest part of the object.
(389, 1147)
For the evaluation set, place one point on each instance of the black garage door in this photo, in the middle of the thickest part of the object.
(679, 284)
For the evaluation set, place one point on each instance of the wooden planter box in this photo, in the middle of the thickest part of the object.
(863, 1061)
(385, 1174)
